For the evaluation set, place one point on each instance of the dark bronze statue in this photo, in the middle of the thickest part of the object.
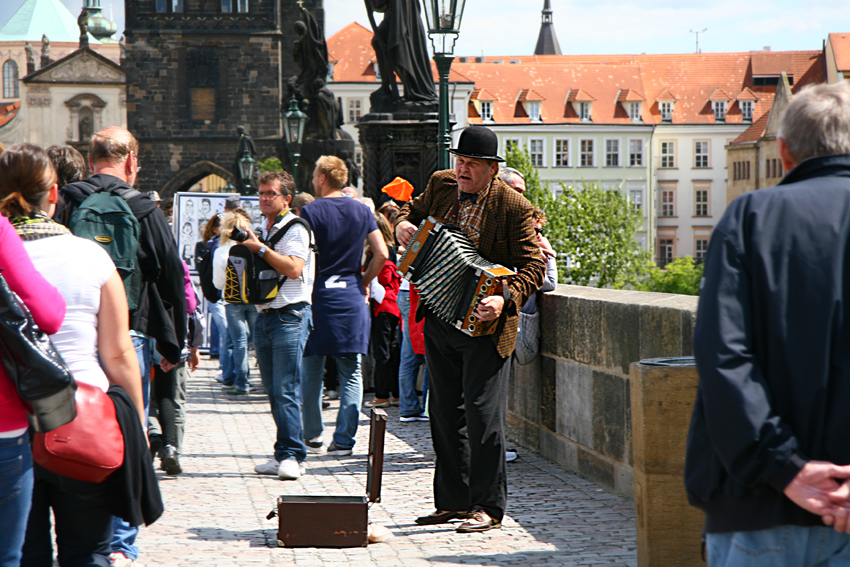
(310, 85)
(83, 23)
(400, 47)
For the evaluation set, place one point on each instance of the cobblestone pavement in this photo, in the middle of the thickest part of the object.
(216, 510)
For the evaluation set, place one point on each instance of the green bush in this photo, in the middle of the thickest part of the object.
(682, 275)
(270, 164)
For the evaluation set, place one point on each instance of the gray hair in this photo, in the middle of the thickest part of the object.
(817, 122)
(509, 174)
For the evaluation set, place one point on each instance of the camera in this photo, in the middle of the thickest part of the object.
(238, 234)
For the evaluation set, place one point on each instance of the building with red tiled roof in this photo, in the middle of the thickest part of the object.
(652, 126)
(752, 159)
(837, 51)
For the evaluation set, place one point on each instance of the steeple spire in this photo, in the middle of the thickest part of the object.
(547, 41)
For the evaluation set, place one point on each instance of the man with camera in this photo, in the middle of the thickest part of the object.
(283, 325)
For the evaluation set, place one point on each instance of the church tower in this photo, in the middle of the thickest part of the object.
(547, 41)
(198, 69)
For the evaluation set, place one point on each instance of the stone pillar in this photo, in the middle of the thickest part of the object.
(669, 530)
(397, 145)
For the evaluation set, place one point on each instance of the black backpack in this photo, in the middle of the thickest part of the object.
(204, 265)
(250, 280)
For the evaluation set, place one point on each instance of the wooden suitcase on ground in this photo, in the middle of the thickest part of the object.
(335, 521)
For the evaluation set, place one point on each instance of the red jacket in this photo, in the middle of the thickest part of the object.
(389, 278)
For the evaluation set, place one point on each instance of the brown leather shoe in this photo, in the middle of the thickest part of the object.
(479, 522)
(441, 517)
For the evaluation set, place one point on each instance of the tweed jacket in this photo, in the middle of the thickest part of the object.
(507, 237)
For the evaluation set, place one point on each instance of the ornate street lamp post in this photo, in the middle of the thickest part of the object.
(293, 130)
(246, 170)
(443, 28)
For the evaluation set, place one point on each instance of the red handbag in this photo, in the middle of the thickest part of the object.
(88, 448)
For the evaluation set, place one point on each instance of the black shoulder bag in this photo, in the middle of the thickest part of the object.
(42, 378)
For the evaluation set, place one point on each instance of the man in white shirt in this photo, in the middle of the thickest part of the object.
(284, 324)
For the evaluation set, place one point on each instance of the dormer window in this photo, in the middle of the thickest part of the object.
(746, 110)
(666, 110)
(634, 111)
(533, 110)
(719, 108)
(584, 111)
(486, 110)
(331, 66)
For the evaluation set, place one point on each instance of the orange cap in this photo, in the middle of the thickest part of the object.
(399, 189)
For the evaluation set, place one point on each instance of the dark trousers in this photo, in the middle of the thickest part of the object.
(165, 390)
(83, 522)
(386, 350)
(467, 400)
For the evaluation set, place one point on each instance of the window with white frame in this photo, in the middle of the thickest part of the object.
(535, 148)
(700, 249)
(354, 109)
(719, 108)
(634, 111)
(668, 203)
(668, 155)
(562, 153)
(586, 153)
(635, 153)
(701, 153)
(511, 144)
(584, 111)
(666, 109)
(746, 109)
(486, 110)
(701, 202)
(11, 88)
(612, 153)
(534, 110)
(636, 199)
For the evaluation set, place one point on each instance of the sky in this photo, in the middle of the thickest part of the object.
(508, 27)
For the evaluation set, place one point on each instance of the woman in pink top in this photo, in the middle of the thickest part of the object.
(16, 477)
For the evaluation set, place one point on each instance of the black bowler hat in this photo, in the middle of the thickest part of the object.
(478, 142)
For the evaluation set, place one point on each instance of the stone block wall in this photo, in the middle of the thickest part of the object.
(573, 404)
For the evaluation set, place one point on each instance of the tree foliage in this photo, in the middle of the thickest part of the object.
(270, 164)
(591, 228)
(682, 275)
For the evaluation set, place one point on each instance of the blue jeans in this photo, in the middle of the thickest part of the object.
(784, 546)
(83, 522)
(16, 480)
(124, 535)
(350, 397)
(409, 404)
(240, 326)
(225, 345)
(279, 340)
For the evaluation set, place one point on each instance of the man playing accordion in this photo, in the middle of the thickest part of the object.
(468, 391)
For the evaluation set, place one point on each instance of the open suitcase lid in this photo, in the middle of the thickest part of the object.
(377, 430)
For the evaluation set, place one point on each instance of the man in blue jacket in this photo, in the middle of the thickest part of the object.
(769, 444)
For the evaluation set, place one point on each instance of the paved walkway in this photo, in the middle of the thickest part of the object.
(215, 511)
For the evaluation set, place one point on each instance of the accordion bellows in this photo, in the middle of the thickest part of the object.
(451, 277)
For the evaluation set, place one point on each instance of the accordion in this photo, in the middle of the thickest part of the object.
(451, 277)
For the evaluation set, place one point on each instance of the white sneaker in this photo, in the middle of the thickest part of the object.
(420, 417)
(269, 467)
(289, 469)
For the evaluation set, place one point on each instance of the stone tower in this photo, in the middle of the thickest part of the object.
(198, 69)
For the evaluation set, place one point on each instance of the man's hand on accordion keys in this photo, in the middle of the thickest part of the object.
(490, 308)
(404, 231)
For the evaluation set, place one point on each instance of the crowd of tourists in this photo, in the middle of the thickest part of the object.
(124, 314)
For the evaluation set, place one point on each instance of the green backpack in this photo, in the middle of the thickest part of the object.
(106, 218)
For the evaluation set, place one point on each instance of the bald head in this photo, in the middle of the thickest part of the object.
(115, 151)
(112, 144)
